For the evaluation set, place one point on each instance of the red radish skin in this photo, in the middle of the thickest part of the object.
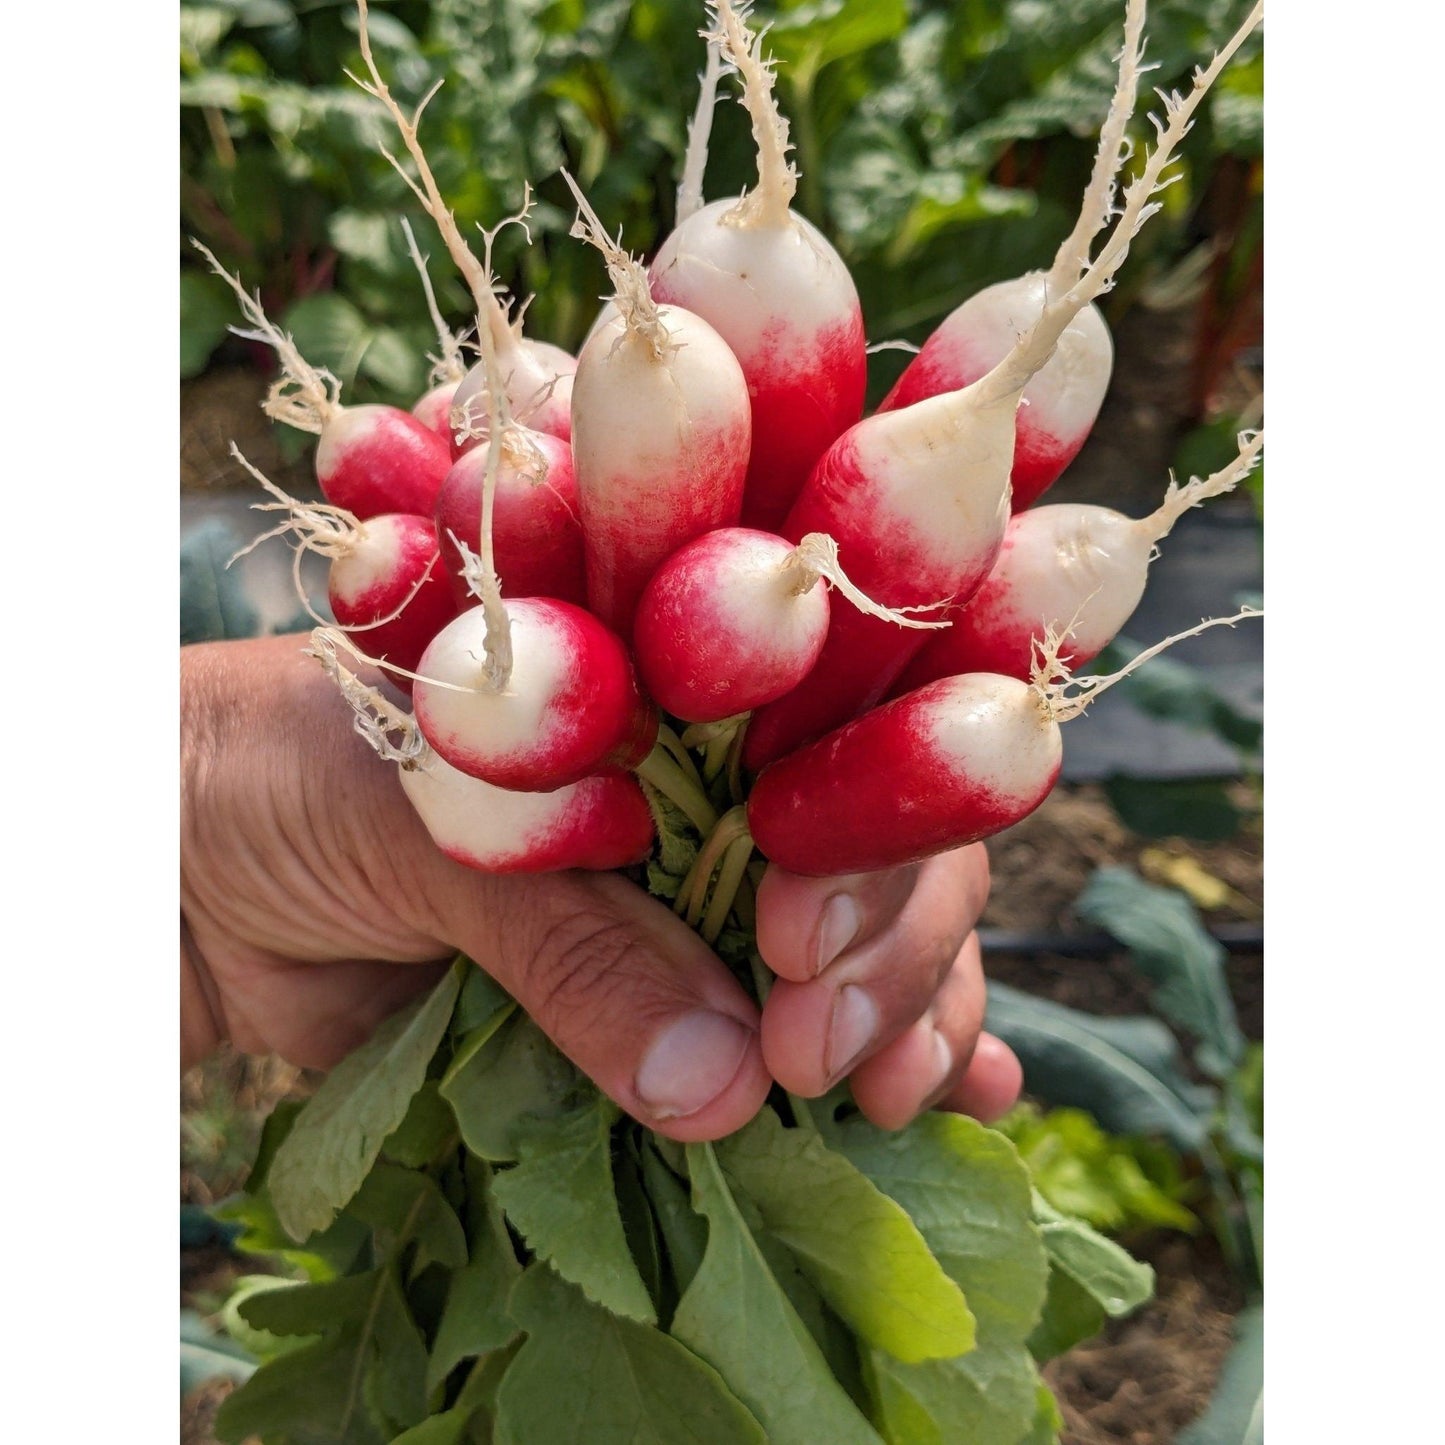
(536, 527)
(373, 459)
(1073, 569)
(1058, 406)
(954, 762)
(661, 434)
(391, 570)
(778, 293)
(918, 503)
(601, 822)
(571, 706)
(722, 627)
(783, 301)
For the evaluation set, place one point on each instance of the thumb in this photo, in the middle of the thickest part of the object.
(623, 987)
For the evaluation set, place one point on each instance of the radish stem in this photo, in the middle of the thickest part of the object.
(661, 770)
(725, 891)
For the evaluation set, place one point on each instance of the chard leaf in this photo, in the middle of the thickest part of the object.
(773, 1365)
(856, 1245)
(967, 1191)
(626, 1383)
(340, 1131)
(561, 1198)
(1172, 948)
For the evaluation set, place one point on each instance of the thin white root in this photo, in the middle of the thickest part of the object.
(817, 556)
(1178, 500)
(491, 312)
(911, 347)
(1098, 203)
(376, 719)
(449, 364)
(633, 292)
(1065, 696)
(699, 130)
(305, 397)
(768, 202)
(1034, 348)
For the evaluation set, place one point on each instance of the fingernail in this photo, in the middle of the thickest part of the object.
(838, 926)
(854, 1027)
(942, 1067)
(691, 1063)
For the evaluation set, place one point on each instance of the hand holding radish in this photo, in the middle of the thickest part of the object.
(879, 976)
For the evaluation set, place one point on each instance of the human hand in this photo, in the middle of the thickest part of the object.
(307, 878)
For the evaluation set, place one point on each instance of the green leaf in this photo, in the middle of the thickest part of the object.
(773, 1364)
(1048, 1420)
(638, 1224)
(208, 308)
(1236, 1412)
(684, 1231)
(516, 1075)
(1098, 1177)
(428, 1129)
(395, 1380)
(625, 1383)
(1126, 1072)
(1197, 808)
(561, 1198)
(483, 1001)
(403, 1205)
(214, 605)
(1170, 947)
(258, 1342)
(340, 1132)
(966, 1189)
(804, 38)
(861, 1251)
(1092, 1279)
(474, 1320)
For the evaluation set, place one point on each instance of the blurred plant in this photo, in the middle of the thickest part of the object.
(943, 146)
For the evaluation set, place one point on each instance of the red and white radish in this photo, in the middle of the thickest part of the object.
(1060, 403)
(737, 618)
(539, 388)
(370, 458)
(661, 431)
(918, 498)
(779, 294)
(956, 761)
(600, 822)
(1064, 567)
(385, 583)
(570, 706)
(536, 526)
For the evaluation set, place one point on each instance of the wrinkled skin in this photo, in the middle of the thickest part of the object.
(314, 905)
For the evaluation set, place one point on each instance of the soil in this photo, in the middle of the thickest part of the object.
(1144, 1378)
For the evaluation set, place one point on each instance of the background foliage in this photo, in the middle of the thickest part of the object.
(942, 145)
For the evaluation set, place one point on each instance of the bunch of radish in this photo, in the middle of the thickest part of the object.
(681, 575)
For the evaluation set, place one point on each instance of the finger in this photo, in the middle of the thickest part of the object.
(625, 989)
(991, 1084)
(922, 1063)
(816, 1032)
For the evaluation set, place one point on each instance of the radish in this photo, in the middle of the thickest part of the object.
(661, 431)
(778, 293)
(1065, 566)
(737, 618)
(571, 704)
(600, 822)
(385, 584)
(532, 377)
(539, 382)
(956, 761)
(1061, 401)
(370, 458)
(918, 498)
(536, 531)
